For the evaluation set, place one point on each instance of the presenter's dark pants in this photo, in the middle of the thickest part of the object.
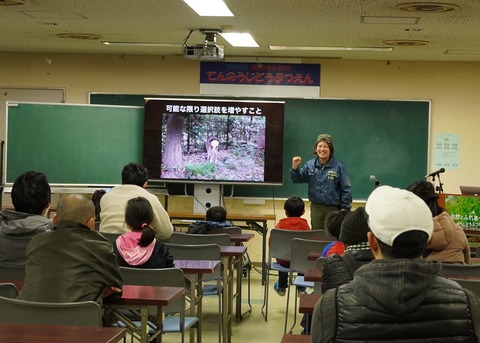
(318, 213)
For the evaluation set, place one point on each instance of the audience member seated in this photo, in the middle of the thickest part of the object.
(73, 262)
(96, 197)
(399, 296)
(134, 181)
(333, 222)
(339, 269)
(215, 218)
(31, 198)
(139, 248)
(294, 209)
(449, 243)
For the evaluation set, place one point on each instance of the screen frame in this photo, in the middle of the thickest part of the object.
(274, 112)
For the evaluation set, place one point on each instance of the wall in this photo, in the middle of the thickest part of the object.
(453, 89)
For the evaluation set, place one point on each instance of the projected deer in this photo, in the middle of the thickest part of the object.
(212, 149)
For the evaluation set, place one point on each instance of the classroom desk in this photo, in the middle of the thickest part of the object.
(139, 298)
(295, 338)
(198, 268)
(313, 274)
(254, 222)
(229, 255)
(307, 302)
(34, 333)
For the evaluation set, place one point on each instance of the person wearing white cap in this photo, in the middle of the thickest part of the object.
(399, 296)
(329, 187)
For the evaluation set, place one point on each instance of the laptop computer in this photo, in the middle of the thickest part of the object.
(470, 190)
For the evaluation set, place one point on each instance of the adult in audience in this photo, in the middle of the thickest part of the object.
(112, 204)
(139, 248)
(399, 296)
(449, 242)
(73, 262)
(329, 187)
(31, 198)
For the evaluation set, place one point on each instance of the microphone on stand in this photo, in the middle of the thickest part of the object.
(375, 181)
(435, 173)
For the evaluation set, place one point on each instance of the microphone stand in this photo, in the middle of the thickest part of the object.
(439, 188)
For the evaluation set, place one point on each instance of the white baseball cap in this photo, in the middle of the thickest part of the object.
(393, 211)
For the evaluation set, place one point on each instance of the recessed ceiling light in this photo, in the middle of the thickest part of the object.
(240, 39)
(328, 48)
(209, 8)
(140, 44)
(430, 7)
(79, 36)
(399, 42)
(12, 2)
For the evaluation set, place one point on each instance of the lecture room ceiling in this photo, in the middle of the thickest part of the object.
(417, 31)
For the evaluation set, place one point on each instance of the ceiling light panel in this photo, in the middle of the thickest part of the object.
(240, 39)
(209, 8)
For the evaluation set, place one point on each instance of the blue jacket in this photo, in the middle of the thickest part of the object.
(329, 185)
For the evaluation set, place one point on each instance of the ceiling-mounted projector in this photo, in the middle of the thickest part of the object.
(209, 51)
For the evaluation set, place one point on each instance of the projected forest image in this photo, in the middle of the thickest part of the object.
(213, 147)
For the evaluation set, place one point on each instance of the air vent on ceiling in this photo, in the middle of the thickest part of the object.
(79, 36)
(399, 42)
(427, 7)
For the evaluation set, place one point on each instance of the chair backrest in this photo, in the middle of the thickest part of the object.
(227, 230)
(8, 290)
(477, 252)
(198, 252)
(12, 272)
(112, 237)
(300, 248)
(171, 277)
(280, 242)
(472, 285)
(221, 239)
(84, 313)
(460, 269)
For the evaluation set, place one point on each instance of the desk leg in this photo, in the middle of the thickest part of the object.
(196, 296)
(239, 272)
(227, 306)
(144, 324)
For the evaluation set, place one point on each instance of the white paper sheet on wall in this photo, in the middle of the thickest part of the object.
(446, 151)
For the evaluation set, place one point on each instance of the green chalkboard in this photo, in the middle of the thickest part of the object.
(385, 138)
(73, 144)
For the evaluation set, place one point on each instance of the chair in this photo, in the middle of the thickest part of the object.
(203, 252)
(8, 290)
(221, 239)
(111, 236)
(175, 319)
(460, 269)
(317, 287)
(472, 285)
(12, 272)
(300, 248)
(247, 265)
(477, 252)
(280, 245)
(84, 313)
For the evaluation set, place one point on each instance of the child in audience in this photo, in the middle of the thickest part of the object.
(333, 223)
(294, 208)
(139, 248)
(215, 218)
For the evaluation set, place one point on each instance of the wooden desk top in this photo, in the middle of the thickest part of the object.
(34, 333)
(230, 216)
(295, 338)
(307, 302)
(240, 237)
(148, 295)
(313, 274)
(232, 250)
(197, 266)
